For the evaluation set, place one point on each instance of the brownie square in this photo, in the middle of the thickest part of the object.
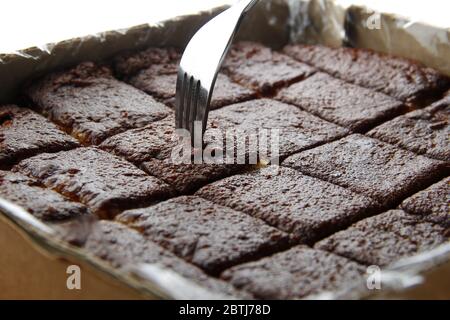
(298, 130)
(258, 67)
(101, 181)
(370, 167)
(151, 149)
(296, 273)
(208, 235)
(160, 82)
(304, 206)
(385, 238)
(342, 103)
(24, 133)
(90, 104)
(155, 71)
(425, 131)
(44, 204)
(432, 203)
(125, 248)
(130, 63)
(397, 77)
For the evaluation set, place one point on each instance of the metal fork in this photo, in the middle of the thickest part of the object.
(200, 64)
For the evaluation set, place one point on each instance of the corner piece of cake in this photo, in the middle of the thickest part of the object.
(43, 203)
(24, 133)
(397, 77)
(383, 239)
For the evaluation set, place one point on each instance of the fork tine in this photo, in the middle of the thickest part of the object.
(200, 63)
(194, 105)
(202, 108)
(179, 99)
(187, 102)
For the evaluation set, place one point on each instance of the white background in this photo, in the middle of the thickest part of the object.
(24, 23)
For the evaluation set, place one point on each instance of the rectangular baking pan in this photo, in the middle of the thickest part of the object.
(34, 262)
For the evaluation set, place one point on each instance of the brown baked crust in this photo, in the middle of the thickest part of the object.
(248, 63)
(385, 238)
(304, 206)
(123, 247)
(208, 235)
(425, 131)
(298, 130)
(296, 273)
(397, 77)
(91, 105)
(340, 102)
(151, 148)
(370, 167)
(103, 182)
(24, 133)
(130, 63)
(160, 82)
(432, 203)
(155, 71)
(43, 203)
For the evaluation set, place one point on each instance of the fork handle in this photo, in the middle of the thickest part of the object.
(247, 4)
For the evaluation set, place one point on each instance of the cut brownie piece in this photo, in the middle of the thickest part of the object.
(90, 104)
(337, 101)
(24, 133)
(296, 273)
(208, 235)
(298, 129)
(307, 207)
(130, 63)
(123, 248)
(44, 204)
(258, 67)
(400, 78)
(432, 203)
(425, 131)
(155, 72)
(160, 82)
(369, 167)
(96, 178)
(385, 238)
(151, 148)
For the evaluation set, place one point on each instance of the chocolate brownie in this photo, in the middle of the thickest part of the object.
(432, 203)
(260, 68)
(400, 78)
(155, 71)
(123, 247)
(24, 133)
(425, 131)
(160, 82)
(151, 148)
(208, 235)
(296, 273)
(370, 167)
(130, 63)
(298, 129)
(90, 104)
(96, 178)
(307, 207)
(385, 238)
(44, 204)
(342, 103)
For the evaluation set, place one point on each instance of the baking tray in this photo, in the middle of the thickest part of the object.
(34, 262)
